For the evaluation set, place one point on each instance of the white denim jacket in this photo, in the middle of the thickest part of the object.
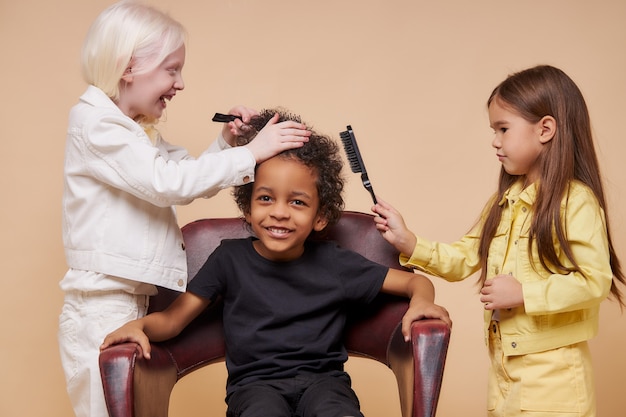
(120, 189)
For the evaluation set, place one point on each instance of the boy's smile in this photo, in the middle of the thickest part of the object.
(284, 208)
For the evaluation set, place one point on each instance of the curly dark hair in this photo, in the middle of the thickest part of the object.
(320, 154)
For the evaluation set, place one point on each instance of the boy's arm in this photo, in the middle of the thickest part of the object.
(159, 326)
(422, 295)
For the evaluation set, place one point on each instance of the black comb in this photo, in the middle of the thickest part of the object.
(355, 160)
(224, 118)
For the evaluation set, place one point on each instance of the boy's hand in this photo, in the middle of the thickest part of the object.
(232, 130)
(277, 137)
(130, 332)
(423, 309)
(391, 226)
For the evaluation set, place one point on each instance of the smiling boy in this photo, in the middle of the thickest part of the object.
(285, 295)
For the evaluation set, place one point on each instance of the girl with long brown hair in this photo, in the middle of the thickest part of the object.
(542, 245)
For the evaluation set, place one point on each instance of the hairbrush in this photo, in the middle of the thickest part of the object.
(225, 118)
(355, 160)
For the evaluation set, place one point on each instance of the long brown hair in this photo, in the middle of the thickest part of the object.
(570, 155)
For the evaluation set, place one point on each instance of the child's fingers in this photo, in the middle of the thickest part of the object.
(406, 329)
(384, 209)
(246, 113)
(120, 336)
(112, 339)
(271, 121)
(433, 312)
(145, 348)
(291, 131)
(238, 128)
(383, 203)
(380, 221)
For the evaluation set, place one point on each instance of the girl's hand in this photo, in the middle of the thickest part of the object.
(277, 137)
(502, 291)
(232, 130)
(130, 332)
(419, 310)
(391, 226)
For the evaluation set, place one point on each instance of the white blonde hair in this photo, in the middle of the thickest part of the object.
(127, 34)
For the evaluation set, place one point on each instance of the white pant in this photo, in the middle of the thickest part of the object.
(86, 318)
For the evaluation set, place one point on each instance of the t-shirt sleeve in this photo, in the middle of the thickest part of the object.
(209, 282)
(362, 278)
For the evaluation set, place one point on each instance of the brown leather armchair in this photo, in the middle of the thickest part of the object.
(135, 387)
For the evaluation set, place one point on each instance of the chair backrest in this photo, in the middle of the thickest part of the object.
(355, 231)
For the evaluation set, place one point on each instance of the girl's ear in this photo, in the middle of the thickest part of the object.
(128, 75)
(548, 129)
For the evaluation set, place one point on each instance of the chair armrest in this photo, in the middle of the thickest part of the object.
(128, 378)
(134, 386)
(419, 365)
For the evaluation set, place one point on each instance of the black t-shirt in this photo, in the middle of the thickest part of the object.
(281, 318)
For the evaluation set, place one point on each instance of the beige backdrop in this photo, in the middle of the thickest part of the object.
(410, 76)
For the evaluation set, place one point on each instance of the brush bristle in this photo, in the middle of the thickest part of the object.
(352, 151)
(354, 158)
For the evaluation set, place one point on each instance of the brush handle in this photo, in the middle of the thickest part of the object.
(368, 186)
(224, 118)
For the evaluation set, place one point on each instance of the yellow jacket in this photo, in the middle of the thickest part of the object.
(559, 309)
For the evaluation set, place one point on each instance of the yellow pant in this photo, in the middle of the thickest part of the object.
(554, 383)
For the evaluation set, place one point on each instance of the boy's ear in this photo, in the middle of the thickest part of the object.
(320, 223)
(548, 129)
